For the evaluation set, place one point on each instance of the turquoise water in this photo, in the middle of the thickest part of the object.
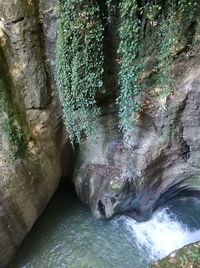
(67, 235)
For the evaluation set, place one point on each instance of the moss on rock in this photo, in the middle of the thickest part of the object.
(12, 116)
(186, 257)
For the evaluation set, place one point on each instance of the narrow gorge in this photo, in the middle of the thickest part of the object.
(104, 96)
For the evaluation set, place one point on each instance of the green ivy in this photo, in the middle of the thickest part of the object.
(79, 55)
(172, 38)
(79, 65)
(129, 74)
(168, 22)
(110, 8)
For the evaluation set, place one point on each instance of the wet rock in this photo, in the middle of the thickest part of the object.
(188, 256)
(161, 162)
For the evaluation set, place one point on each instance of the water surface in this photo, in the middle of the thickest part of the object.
(67, 235)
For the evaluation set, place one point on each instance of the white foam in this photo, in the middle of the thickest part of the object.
(161, 235)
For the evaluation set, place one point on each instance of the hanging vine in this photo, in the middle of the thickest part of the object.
(172, 35)
(79, 61)
(79, 55)
(168, 22)
(129, 82)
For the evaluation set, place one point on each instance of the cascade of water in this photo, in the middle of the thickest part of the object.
(161, 235)
(74, 238)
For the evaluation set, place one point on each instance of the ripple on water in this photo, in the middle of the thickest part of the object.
(170, 228)
(67, 235)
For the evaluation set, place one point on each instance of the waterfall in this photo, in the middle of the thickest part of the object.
(75, 238)
(159, 236)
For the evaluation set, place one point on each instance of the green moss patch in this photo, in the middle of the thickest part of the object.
(12, 118)
(187, 257)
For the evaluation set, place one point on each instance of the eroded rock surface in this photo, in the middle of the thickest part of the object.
(33, 139)
(162, 161)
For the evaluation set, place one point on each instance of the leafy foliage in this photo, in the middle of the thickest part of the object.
(79, 64)
(129, 81)
(79, 61)
(172, 38)
(168, 22)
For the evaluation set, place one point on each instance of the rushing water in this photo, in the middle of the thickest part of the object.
(67, 235)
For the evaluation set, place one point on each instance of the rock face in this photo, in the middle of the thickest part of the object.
(163, 160)
(33, 140)
(188, 256)
(110, 177)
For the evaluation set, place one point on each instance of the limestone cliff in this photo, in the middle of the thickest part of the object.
(162, 159)
(159, 158)
(32, 138)
(162, 163)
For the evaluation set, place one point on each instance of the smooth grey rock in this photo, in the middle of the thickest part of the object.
(161, 162)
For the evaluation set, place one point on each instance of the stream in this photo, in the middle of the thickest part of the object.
(67, 235)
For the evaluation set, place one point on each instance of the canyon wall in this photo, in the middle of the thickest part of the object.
(33, 141)
(147, 145)
(112, 175)
(162, 162)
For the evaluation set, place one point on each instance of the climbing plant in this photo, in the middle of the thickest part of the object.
(129, 82)
(168, 23)
(110, 5)
(172, 38)
(79, 55)
(79, 61)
